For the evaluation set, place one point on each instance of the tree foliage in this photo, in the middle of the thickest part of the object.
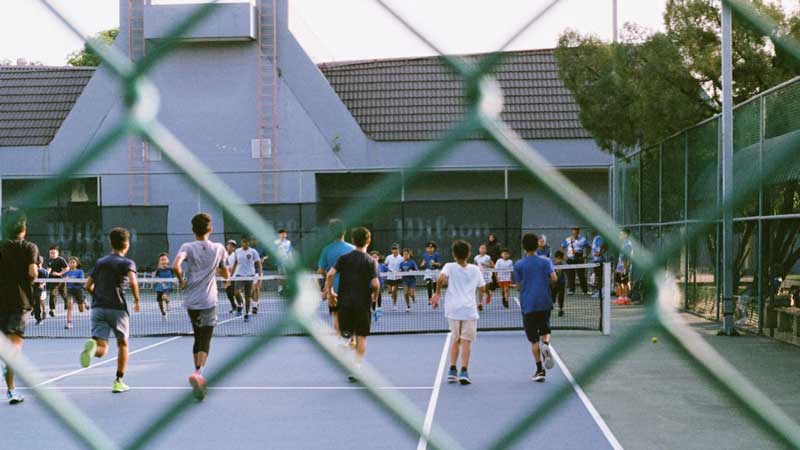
(650, 85)
(86, 56)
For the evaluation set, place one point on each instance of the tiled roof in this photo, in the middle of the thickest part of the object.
(417, 99)
(34, 101)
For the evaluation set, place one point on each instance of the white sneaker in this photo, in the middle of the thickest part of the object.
(547, 356)
(68, 326)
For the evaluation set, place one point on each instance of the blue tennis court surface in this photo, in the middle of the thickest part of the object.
(289, 396)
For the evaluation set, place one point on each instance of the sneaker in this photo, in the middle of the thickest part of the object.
(505, 303)
(89, 349)
(198, 385)
(164, 316)
(463, 377)
(452, 375)
(560, 313)
(52, 313)
(119, 386)
(239, 312)
(408, 309)
(539, 376)
(14, 397)
(547, 355)
(247, 317)
(377, 314)
(68, 326)
(255, 310)
(480, 307)
(353, 377)
(394, 308)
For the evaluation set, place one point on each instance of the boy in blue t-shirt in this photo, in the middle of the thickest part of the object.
(106, 283)
(409, 282)
(431, 262)
(163, 290)
(74, 290)
(377, 311)
(534, 274)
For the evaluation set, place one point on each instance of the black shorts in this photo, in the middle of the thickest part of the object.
(393, 282)
(14, 323)
(536, 324)
(354, 321)
(160, 296)
(76, 294)
(620, 277)
(59, 288)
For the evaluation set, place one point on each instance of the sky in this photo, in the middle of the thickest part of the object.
(343, 30)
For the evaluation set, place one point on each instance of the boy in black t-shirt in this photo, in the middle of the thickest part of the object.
(56, 267)
(106, 283)
(358, 290)
(18, 268)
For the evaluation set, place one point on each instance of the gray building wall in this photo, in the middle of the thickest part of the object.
(207, 94)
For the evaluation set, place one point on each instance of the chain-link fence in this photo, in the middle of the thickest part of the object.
(695, 239)
(665, 188)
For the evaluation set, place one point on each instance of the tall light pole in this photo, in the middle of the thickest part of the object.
(727, 172)
(614, 21)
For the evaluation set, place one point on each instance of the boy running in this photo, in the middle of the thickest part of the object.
(40, 293)
(559, 288)
(377, 311)
(534, 274)
(245, 263)
(205, 260)
(106, 283)
(461, 307)
(230, 291)
(393, 262)
(18, 260)
(74, 290)
(327, 259)
(358, 290)
(504, 267)
(56, 267)
(431, 262)
(485, 264)
(622, 275)
(409, 282)
(163, 290)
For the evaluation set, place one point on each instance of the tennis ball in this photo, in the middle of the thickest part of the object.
(655, 339)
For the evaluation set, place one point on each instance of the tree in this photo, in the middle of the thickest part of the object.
(652, 85)
(86, 56)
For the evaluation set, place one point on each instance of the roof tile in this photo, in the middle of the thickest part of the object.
(34, 101)
(420, 98)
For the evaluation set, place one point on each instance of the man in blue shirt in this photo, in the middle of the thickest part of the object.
(574, 245)
(327, 259)
(599, 248)
(534, 275)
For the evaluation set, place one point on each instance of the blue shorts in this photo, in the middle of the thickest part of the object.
(409, 282)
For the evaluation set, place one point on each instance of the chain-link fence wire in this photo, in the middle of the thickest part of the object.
(484, 100)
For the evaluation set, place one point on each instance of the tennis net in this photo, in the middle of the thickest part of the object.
(582, 310)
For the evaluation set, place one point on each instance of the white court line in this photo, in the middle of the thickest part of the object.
(587, 403)
(239, 388)
(437, 384)
(106, 361)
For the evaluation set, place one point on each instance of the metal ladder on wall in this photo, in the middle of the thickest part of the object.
(267, 100)
(138, 167)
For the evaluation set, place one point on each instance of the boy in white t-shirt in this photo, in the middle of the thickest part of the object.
(461, 307)
(504, 267)
(484, 263)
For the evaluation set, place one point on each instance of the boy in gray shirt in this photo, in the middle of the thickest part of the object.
(204, 260)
